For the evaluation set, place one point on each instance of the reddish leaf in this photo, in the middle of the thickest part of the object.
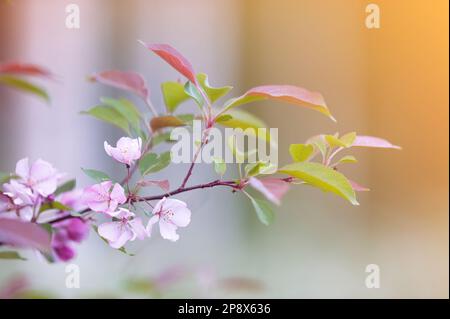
(371, 141)
(24, 69)
(358, 187)
(272, 188)
(160, 122)
(174, 58)
(129, 81)
(24, 234)
(286, 93)
(164, 184)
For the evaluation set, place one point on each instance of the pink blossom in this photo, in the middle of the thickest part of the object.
(40, 176)
(21, 199)
(65, 233)
(171, 214)
(64, 252)
(75, 229)
(34, 181)
(127, 228)
(8, 209)
(5, 203)
(73, 199)
(101, 198)
(61, 246)
(126, 151)
(21, 194)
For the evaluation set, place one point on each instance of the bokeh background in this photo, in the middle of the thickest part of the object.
(390, 82)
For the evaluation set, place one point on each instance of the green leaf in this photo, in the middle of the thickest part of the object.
(152, 163)
(161, 138)
(24, 85)
(186, 118)
(66, 187)
(173, 94)
(213, 93)
(243, 120)
(219, 166)
(109, 115)
(146, 162)
(223, 118)
(3, 177)
(253, 169)
(240, 154)
(263, 210)
(301, 152)
(127, 109)
(240, 119)
(347, 159)
(334, 141)
(54, 205)
(348, 139)
(97, 176)
(322, 177)
(193, 92)
(319, 144)
(12, 255)
(6, 177)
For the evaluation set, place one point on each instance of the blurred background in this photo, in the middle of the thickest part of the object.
(390, 82)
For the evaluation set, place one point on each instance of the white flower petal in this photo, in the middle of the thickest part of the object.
(168, 230)
(126, 235)
(111, 231)
(23, 168)
(181, 217)
(138, 228)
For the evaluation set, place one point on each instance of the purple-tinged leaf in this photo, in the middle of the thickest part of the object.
(19, 233)
(357, 187)
(19, 68)
(164, 184)
(371, 141)
(129, 81)
(174, 58)
(272, 188)
(287, 93)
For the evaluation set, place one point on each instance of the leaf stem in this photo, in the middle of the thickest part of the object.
(150, 106)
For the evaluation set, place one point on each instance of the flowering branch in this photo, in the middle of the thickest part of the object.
(34, 196)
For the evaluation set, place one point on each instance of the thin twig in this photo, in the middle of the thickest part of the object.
(232, 184)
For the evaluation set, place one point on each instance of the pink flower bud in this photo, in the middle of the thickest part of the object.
(126, 151)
